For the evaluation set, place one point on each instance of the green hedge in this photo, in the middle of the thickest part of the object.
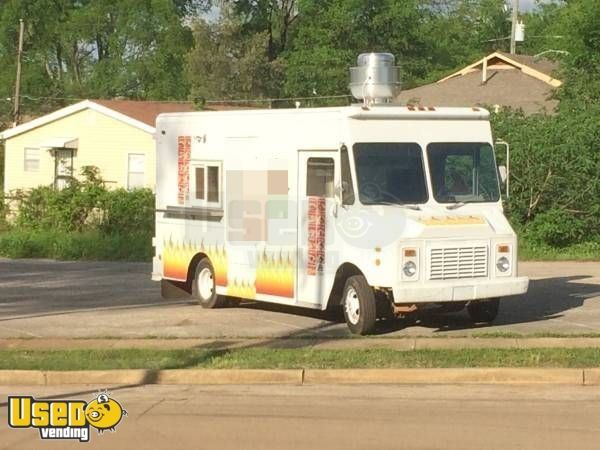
(83, 221)
(554, 175)
(81, 245)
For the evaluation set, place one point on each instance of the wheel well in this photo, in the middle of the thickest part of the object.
(345, 271)
(192, 270)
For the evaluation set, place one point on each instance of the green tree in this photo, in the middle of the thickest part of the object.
(85, 48)
(332, 33)
(276, 18)
(226, 63)
(427, 37)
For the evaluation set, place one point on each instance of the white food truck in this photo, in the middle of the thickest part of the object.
(373, 207)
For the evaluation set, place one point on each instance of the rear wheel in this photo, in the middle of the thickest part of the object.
(204, 287)
(359, 306)
(483, 311)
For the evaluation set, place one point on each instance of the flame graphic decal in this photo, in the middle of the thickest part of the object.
(275, 274)
(177, 258)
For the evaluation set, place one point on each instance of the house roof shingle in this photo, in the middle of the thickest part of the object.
(504, 88)
(144, 111)
(517, 81)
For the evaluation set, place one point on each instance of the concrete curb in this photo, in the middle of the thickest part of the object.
(446, 376)
(144, 376)
(578, 377)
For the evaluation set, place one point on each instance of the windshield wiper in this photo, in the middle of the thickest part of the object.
(456, 205)
(401, 205)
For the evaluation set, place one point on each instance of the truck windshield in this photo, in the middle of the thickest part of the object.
(390, 173)
(463, 172)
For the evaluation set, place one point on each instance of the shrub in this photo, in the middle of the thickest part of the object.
(68, 209)
(128, 211)
(557, 228)
(82, 221)
(92, 245)
(555, 173)
(86, 205)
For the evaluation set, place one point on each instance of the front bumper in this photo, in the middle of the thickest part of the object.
(459, 290)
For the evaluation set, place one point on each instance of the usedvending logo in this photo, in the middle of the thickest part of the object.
(65, 419)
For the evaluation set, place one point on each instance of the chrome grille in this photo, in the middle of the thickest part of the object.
(457, 262)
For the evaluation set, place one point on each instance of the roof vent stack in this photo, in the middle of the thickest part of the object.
(376, 79)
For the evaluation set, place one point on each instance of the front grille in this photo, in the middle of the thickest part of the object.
(457, 262)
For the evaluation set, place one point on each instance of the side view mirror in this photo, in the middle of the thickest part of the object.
(505, 170)
(503, 174)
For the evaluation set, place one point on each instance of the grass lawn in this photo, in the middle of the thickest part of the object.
(261, 358)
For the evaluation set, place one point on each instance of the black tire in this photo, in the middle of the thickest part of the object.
(452, 307)
(483, 311)
(383, 306)
(363, 319)
(206, 301)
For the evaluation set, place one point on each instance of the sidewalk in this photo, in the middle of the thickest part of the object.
(330, 344)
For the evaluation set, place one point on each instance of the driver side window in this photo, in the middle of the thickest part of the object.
(319, 177)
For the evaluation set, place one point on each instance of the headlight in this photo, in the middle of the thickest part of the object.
(503, 264)
(409, 269)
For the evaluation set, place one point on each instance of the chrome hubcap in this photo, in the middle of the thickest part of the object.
(205, 283)
(352, 306)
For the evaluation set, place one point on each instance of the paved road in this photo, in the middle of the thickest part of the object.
(40, 298)
(334, 417)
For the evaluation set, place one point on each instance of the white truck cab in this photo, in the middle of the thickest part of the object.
(320, 207)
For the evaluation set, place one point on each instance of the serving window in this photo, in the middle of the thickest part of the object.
(205, 183)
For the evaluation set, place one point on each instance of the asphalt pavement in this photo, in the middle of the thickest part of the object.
(51, 299)
(332, 417)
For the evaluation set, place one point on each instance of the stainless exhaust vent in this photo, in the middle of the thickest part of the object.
(375, 79)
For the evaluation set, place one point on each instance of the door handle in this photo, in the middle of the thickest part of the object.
(334, 210)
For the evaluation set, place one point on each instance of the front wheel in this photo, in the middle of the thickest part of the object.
(483, 311)
(360, 310)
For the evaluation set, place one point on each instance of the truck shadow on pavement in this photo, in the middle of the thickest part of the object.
(546, 299)
(40, 288)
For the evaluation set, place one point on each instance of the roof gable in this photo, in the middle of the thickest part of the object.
(138, 114)
(540, 70)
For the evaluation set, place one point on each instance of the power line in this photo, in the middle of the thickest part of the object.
(223, 101)
(314, 97)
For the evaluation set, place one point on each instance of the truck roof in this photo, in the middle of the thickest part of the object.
(359, 112)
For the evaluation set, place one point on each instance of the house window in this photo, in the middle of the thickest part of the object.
(135, 170)
(32, 160)
(205, 184)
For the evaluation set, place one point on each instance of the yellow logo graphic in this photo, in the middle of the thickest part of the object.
(65, 419)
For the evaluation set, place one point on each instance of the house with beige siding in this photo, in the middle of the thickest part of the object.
(117, 136)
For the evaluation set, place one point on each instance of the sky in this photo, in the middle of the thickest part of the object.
(528, 5)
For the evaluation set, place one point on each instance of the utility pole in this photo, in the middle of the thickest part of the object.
(513, 30)
(17, 107)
